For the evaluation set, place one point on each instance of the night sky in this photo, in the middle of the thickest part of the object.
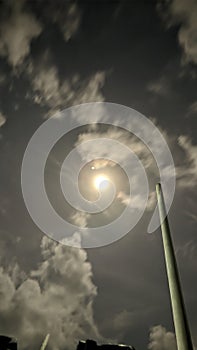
(58, 54)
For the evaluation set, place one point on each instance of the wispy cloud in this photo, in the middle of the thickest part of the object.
(17, 31)
(187, 173)
(98, 150)
(193, 108)
(50, 91)
(2, 119)
(20, 26)
(160, 87)
(136, 202)
(67, 15)
(183, 13)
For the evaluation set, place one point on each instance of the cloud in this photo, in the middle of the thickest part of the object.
(17, 30)
(161, 339)
(121, 323)
(98, 149)
(68, 18)
(50, 91)
(117, 134)
(19, 26)
(70, 26)
(125, 322)
(184, 154)
(2, 78)
(136, 202)
(183, 13)
(160, 87)
(188, 251)
(55, 298)
(185, 162)
(72, 241)
(2, 119)
(187, 173)
(80, 218)
(193, 108)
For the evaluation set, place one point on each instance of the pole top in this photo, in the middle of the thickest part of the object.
(158, 187)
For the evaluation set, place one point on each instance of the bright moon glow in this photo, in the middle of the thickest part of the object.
(101, 182)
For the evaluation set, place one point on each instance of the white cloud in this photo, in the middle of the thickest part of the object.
(20, 26)
(136, 202)
(186, 172)
(16, 34)
(161, 339)
(72, 241)
(184, 154)
(55, 298)
(2, 119)
(117, 134)
(51, 92)
(80, 218)
(184, 13)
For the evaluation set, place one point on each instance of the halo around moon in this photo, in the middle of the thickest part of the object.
(101, 182)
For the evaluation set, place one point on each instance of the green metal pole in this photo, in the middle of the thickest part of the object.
(182, 331)
(45, 342)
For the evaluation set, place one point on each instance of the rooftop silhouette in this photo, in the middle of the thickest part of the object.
(92, 345)
(7, 343)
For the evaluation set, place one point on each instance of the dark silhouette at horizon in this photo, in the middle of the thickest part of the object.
(7, 343)
(92, 345)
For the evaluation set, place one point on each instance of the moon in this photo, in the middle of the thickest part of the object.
(101, 182)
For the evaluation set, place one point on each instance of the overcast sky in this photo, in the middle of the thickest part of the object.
(56, 54)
